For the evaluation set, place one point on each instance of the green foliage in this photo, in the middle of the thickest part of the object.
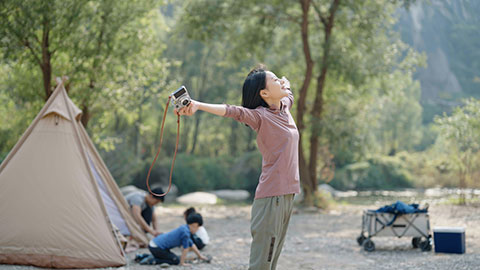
(90, 41)
(199, 173)
(18, 104)
(121, 161)
(23, 22)
(430, 168)
(380, 172)
(382, 115)
(110, 51)
(250, 24)
(462, 129)
(371, 101)
(459, 136)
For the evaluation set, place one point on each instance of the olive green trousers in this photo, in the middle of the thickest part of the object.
(270, 218)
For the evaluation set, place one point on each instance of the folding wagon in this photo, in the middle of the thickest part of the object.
(389, 221)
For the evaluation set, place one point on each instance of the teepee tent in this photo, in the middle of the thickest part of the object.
(58, 201)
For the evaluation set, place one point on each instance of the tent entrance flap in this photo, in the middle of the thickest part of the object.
(112, 209)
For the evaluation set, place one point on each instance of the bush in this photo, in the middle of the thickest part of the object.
(322, 199)
(195, 173)
(431, 168)
(382, 172)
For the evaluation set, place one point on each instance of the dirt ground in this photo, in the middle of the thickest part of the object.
(321, 240)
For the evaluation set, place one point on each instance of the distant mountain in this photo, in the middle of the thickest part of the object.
(448, 32)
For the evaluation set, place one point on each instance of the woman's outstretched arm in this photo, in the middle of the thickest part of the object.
(218, 109)
(241, 114)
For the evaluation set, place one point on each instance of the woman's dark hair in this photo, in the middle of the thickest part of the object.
(256, 80)
(195, 218)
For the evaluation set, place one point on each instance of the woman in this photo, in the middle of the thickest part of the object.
(266, 104)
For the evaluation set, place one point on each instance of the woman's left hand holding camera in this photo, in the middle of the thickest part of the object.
(189, 110)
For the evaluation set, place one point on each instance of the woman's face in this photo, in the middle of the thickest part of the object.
(275, 86)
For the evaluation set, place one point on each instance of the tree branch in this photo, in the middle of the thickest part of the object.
(333, 10)
(36, 39)
(26, 43)
(273, 13)
(287, 18)
(319, 14)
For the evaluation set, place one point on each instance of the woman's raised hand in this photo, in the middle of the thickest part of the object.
(189, 110)
(285, 82)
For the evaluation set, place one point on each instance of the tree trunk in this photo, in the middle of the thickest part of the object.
(304, 176)
(250, 139)
(233, 138)
(157, 131)
(464, 174)
(85, 115)
(314, 137)
(318, 103)
(136, 135)
(462, 200)
(183, 143)
(195, 133)
(308, 191)
(116, 126)
(137, 124)
(92, 76)
(201, 93)
(46, 60)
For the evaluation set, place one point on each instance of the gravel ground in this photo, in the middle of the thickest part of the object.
(321, 240)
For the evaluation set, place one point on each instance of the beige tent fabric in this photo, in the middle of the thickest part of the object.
(113, 189)
(59, 107)
(52, 213)
(49, 261)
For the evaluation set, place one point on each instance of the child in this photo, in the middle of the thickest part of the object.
(180, 237)
(200, 238)
(266, 104)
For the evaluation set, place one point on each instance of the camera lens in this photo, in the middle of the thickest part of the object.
(185, 102)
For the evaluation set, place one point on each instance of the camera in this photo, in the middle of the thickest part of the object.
(180, 98)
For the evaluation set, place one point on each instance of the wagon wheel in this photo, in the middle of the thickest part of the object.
(426, 245)
(368, 245)
(360, 239)
(416, 242)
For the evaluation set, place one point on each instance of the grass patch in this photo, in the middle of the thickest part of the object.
(458, 201)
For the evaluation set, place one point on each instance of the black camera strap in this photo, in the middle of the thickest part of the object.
(158, 151)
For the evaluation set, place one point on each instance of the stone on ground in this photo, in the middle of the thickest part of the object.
(232, 194)
(196, 198)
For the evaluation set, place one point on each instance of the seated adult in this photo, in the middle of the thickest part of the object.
(142, 205)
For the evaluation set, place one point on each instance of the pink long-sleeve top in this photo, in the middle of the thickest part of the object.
(277, 140)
